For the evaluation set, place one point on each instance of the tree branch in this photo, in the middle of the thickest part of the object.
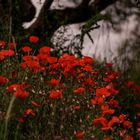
(56, 18)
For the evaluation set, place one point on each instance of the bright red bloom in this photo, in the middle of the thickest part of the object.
(122, 117)
(3, 80)
(77, 107)
(55, 94)
(21, 94)
(33, 39)
(102, 92)
(109, 111)
(104, 107)
(29, 112)
(45, 50)
(114, 103)
(7, 52)
(127, 124)
(12, 45)
(79, 90)
(107, 138)
(114, 120)
(109, 64)
(79, 134)
(35, 104)
(2, 43)
(97, 100)
(130, 83)
(54, 82)
(51, 60)
(101, 121)
(26, 49)
(18, 91)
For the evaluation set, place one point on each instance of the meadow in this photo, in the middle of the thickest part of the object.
(48, 97)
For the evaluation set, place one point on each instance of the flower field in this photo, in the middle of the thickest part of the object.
(44, 97)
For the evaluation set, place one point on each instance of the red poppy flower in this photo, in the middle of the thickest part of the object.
(55, 94)
(21, 94)
(79, 134)
(127, 124)
(102, 91)
(29, 112)
(79, 90)
(54, 82)
(114, 120)
(33, 39)
(122, 117)
(101, 121)
(114, 103)
(35, 104)
(18, 91)
(26, 49)
(51, 60)
(107, 138)
(7, 52)
(2, 44)
(109, 64)
(12, 45)
(109, 111)
(3, 80)
(130, 83)
(97, 100)
(45, 50)
(77, 107)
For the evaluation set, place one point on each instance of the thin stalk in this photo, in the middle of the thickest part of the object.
(8, 115)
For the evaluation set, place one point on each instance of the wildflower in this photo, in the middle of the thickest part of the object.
(109, 111)
(26, 49)
(55, 94)
(79, 90)
(7, 52)
(130, 83)
(114, 120)
(102, 91)
(14, 74)
(29, 112)
(101, 121)
(21, 120)
(104, 107)
(109, 64)
(3, 80)
(35, 104)
(127, 124)
(97, 100)
(12, 45)
(51, 60)
(122, 117)
(45, 50)
(18, 91)
(33, 39)
(114, 103)
(54, 82)
(79, 134)
(2, 44)
(86, 60)
(77, 107)
(107, 138)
